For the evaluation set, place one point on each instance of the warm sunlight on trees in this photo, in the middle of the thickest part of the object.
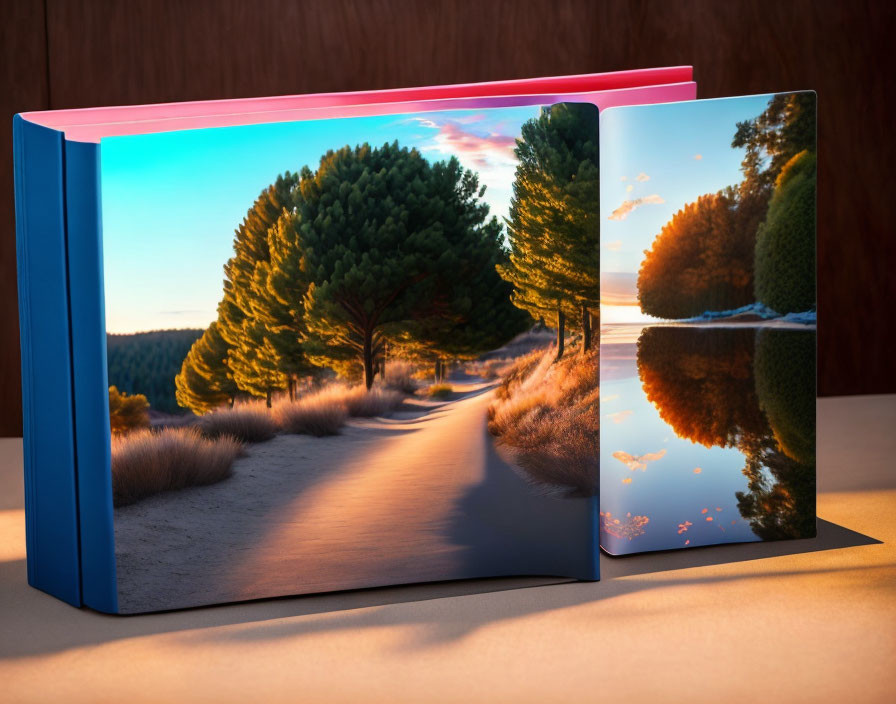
(127, 411)
(396, 244)
(554, 228)
(751, 242)
(702, 259)
(253, 363)
(205, 381)
(701, 382)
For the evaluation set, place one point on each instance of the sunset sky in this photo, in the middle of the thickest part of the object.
(171, 201)
(654, 160)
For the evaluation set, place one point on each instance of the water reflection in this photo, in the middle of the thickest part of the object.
(707, 436)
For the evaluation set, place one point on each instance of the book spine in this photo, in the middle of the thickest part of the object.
(93, 441)
(51, 500)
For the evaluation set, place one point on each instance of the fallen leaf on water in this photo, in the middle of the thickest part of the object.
(627, 480)
(697, 470)
(706, 510)
(709, 518)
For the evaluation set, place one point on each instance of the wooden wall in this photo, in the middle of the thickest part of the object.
(79, 53)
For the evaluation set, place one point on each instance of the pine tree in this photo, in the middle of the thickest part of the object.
(244, 323)
(477, 316)
(205, 381)
(553, 227)
(393, 243)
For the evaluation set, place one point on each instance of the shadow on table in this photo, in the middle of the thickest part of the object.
(35, 623)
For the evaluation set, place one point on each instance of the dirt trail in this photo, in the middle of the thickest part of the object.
(371, 506)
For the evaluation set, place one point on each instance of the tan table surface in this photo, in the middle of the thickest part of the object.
(811, 620)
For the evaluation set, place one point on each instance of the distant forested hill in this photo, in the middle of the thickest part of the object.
(147, 362)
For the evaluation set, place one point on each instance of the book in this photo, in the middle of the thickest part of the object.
(298, 344)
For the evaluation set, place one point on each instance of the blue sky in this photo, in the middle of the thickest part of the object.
(657, 158)
(171, 201)
(675, 480)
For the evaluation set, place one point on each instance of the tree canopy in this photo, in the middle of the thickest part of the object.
(205, 381)
(553, 228)
(377, 247)
(703, 258)
(248, 320)
(127, 411)
(396, 246)
(754, 241)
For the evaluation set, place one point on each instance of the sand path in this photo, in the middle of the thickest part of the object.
(420, 496)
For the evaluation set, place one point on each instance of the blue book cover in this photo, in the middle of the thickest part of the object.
(322, 352)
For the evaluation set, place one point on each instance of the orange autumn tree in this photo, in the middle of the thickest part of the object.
(702, 383)
(702, 260)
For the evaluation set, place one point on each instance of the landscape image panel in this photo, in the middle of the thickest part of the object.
(708, 323)
(355, 352)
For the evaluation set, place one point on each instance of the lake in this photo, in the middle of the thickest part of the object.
(707, 435)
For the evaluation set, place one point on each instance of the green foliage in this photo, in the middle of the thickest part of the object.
(251, 318)
(394, 245)
(755, 241)
(784, 129)
(785, 385)
(147, 363)
(554, 228)
(780, 501)
(127, 412)
(205, 382)
(785, 244)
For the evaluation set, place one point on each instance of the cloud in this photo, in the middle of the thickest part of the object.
(624, 178)
(481, 150)
(629, 188)
(642, 177)
(613, 246)
(634, 462)
(698, 157)
(619, 416)
(621, 213)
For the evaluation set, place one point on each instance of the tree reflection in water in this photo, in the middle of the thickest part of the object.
(748, 388)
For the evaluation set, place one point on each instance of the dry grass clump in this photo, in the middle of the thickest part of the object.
(361, 403)
(319, 414)
(492, 369)
(440, 391)
(146, 462)
(247, 422)
(547, 412)
(400, 377)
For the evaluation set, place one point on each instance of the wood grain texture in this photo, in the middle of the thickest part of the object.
(23, 86)
(116, 52)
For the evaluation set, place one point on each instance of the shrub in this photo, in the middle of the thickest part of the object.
(785, 385)
(361, 403)
(127, 412)
(146, 462)
(318, 414)
(400, 377)
(493, 369)
(785, 243)
(247, 422)
(547, 413)
(439, 391)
